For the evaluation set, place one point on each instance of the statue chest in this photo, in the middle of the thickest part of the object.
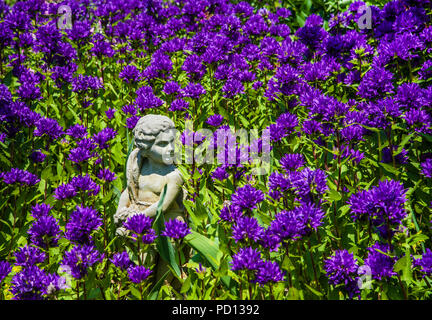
(153, 183)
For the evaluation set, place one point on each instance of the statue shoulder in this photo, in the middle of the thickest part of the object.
(175, 177)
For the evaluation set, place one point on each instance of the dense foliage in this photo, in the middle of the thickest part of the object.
(344, 211)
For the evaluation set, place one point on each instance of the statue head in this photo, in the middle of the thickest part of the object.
(154, 136)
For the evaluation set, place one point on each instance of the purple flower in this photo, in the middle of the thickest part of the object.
(292, 162)
(29, 256)
(44, 231)
(49, 127)
(287, 225)
(5, 269)
(279, 182)
(121, 260)
(309, 182)
(193, 90)
(194, 67)
(342, 268)
(140, 225)
(130, 74)
(82, 222)
(382, 203)
(37, 156)
(102, 47)
(270, 240)
(246, 259)
(55, 283)
(426, 71)
(79, 259)
(105, 135)
(77, 131)
(21, 176)
(146, 99)
(65, 191)
(230, 213)
(83, 83)
(29, 284)
(219, 174)
(381, 265)
(132, 121)
(245, 229)
(232, 88)
(138, 274)
(425, 262)
(129, 109)
(419, 119)
(375, 83)
(176, 229)
(179, 105)
(288, 121)
(269, 272)
(426, 168)
(247, 197)
(110, 113)
(171, 87)
(85, 183)
(106, 175)
(80, 154)
(40, 210)
(215, 120)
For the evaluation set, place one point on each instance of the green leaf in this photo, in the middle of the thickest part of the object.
(416, 238)
(315, 292)
(163, 244)
(155, 290)
(205, 247)
(293, 294)
(334, 195)
(135, 292)
(186, 285)
(404, 265)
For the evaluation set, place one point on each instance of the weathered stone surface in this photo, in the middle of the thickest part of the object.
(148, 171)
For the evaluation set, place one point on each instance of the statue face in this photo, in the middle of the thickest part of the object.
(162, 150)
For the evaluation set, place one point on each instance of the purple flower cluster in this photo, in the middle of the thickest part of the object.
(79, 259)
(342, 269)
(140, 225)
(23, 177)
(382, 204)
(176, 229)
(82, 222)
(79, 185)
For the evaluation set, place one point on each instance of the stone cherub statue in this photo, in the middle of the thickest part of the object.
(148, 170)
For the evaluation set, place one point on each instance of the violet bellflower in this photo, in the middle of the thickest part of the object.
(247, 197)
(79, 259)
(138, 274)
(29, 284)
(140, 225)
(122, 260)
(269, 272)
(176, 229)
(425, 263)
(342, 269)
(5, 269)
(82, 222)
(246, 229)
(380, 265)
(45, 231)
(246, 259)
(28, 256)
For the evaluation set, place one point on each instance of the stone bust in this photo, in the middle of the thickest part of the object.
(149, 168)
